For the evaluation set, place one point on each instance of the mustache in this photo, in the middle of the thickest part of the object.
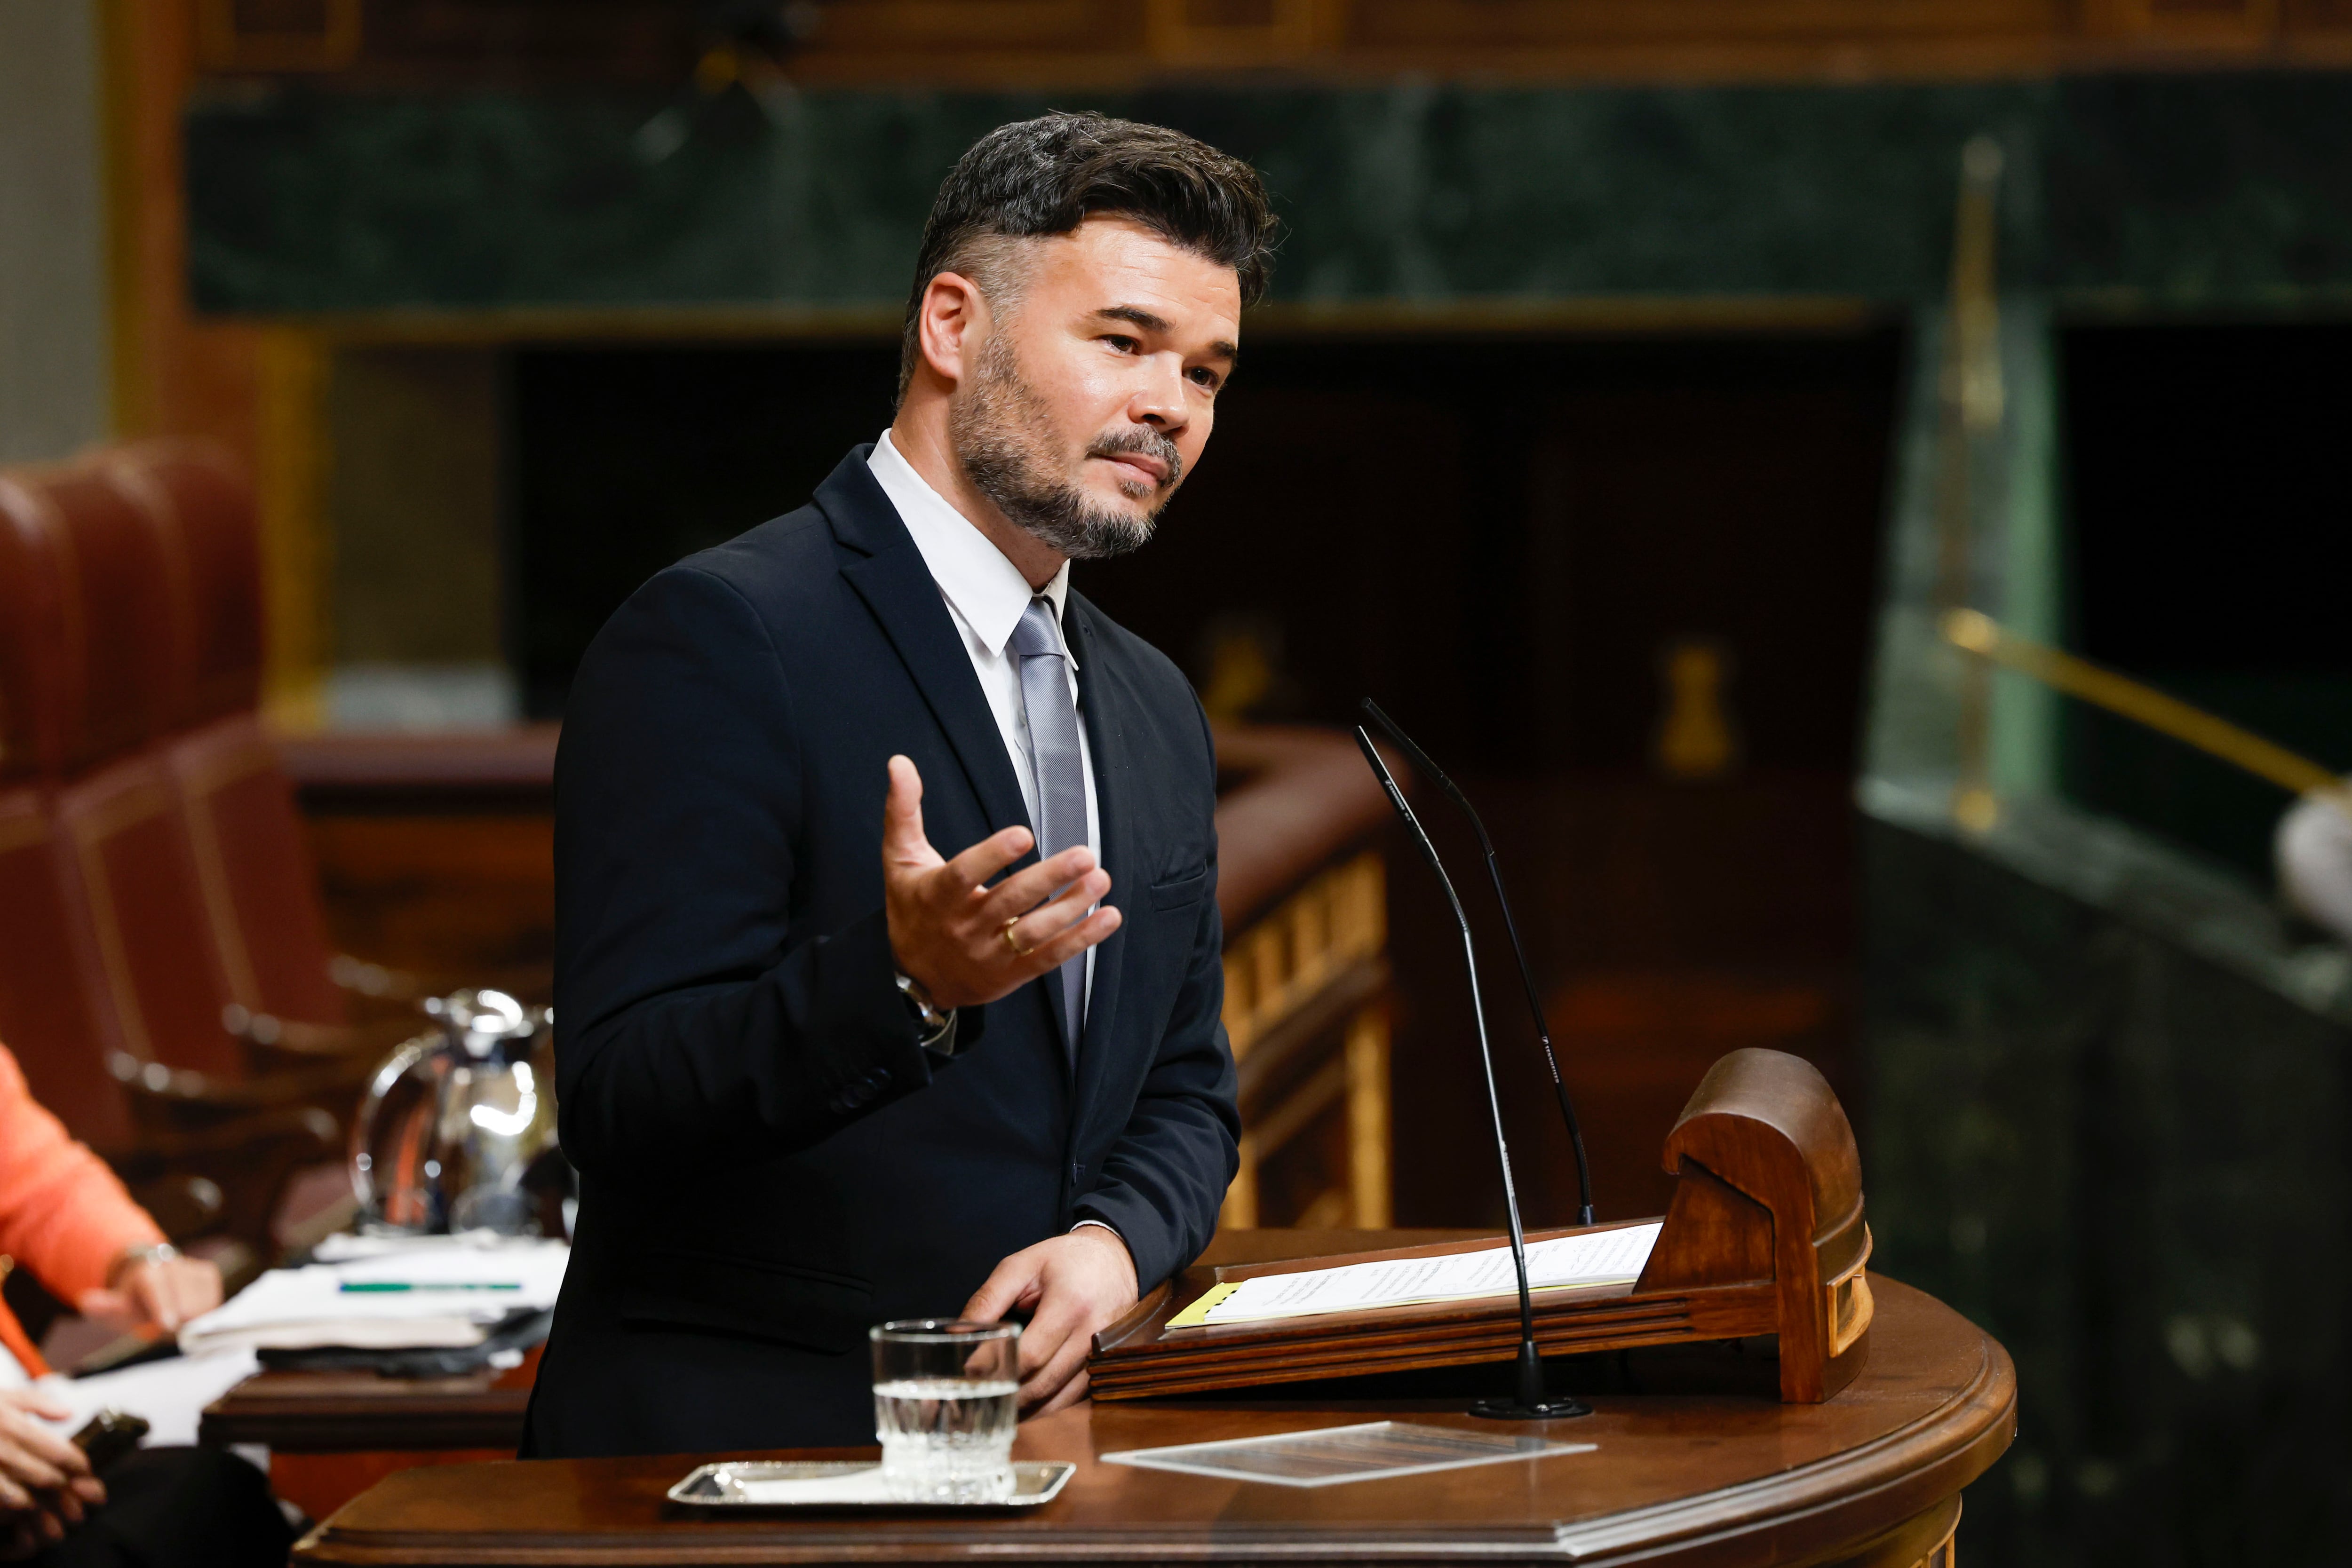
(1146, 443)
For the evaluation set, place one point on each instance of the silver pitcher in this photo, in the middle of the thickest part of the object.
(457, 1131)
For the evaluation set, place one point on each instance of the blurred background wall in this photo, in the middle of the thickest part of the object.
(1610, 422)
(55, 379)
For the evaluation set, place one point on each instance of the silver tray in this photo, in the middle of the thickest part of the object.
(725, 1485)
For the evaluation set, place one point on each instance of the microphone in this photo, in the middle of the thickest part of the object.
(1420, 759)
(1532, 1402)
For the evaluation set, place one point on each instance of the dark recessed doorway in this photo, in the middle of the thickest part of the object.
(2208, 496)
(1620, 587)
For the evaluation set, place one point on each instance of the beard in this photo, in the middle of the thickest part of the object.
(1003, 433)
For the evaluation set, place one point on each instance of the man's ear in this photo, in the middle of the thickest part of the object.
(953, 320)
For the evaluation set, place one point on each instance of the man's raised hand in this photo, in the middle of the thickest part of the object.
(967, 943)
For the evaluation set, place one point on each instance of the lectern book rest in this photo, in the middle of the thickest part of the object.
(1765, 1235)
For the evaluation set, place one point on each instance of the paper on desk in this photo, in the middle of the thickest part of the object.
(172, 1394)
(1593, 1258)
(301, 1309)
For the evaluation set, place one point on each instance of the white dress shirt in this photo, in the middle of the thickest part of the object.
(986, 595)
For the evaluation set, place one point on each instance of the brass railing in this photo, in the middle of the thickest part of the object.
(1974, 633)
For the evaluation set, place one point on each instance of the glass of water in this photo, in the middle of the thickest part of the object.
(944, 1392)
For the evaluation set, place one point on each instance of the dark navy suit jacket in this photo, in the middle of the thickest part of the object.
(770, 1163)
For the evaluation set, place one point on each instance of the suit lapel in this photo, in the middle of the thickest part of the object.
(888, 572)
(1104, 701)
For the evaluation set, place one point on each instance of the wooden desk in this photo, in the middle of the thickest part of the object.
(337, 1412)
(1869, 1480)
(333, 1435)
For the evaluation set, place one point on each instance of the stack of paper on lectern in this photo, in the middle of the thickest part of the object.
(441, 1293)
(1567, 1263)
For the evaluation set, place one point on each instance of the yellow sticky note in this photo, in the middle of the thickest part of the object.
(1197, 1314)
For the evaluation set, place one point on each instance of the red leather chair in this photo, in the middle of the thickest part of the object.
(76, 994)
(51, 1013)
(116, 807)
(252, 861)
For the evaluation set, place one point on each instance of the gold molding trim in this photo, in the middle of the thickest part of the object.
(297, 545)
(1630, 314)
(1600, 314)
(454, 328)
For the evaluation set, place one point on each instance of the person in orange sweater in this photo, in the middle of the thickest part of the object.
(64, 1215)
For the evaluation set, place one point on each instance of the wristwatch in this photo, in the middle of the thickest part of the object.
(936, 1029)
(130, 1258)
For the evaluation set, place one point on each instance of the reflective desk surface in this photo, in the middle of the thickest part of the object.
(1688, 1468)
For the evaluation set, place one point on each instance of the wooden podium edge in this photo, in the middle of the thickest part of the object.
(1925, 1463)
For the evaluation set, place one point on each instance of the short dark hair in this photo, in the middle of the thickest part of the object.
(1045, 176)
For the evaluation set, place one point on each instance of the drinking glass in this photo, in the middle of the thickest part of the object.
(944, 1391)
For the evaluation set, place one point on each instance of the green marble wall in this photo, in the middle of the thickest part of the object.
(2182, 190)
(2107, 1111)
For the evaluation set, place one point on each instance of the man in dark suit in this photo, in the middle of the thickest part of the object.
(814, 1072)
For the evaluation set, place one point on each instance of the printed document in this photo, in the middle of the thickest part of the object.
(448, 1291)
(1594, 1257)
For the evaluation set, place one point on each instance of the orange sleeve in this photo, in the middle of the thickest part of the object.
(62, 1213)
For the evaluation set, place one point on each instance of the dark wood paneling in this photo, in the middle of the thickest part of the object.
(442, 894)
(1081, 42)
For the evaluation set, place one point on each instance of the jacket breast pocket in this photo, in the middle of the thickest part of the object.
(1185, 887)
(752, 1297)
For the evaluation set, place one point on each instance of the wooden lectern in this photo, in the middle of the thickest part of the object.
(1765, 1235)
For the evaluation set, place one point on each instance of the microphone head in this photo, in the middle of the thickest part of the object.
(1417, 756)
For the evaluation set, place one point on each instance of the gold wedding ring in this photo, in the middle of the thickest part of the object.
(1018, 950)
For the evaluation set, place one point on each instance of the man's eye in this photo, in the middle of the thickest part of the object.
(1205, 378)
(1123, 344)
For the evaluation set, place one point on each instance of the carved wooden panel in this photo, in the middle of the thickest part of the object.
(2325, 19)
(937, 28)
(1050, 43)
(1238, 32)
(1568, 23)
(240, 36)
(2174, 22)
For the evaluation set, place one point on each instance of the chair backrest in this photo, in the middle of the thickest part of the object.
(252, 857)
(30, 744)
(56, 1009)
(205, 523)
(159, 819)
(119, 671)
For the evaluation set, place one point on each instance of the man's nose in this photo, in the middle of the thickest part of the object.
(1160, 401)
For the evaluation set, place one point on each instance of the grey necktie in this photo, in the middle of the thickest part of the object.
(1053, 720)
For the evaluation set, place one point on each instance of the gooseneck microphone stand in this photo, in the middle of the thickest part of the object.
(1532, 1402)
(1420, 759)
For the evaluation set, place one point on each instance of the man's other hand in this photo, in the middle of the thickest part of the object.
(45, 1480)
(164, 1291)
(1071, 1286)
(964, 942)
